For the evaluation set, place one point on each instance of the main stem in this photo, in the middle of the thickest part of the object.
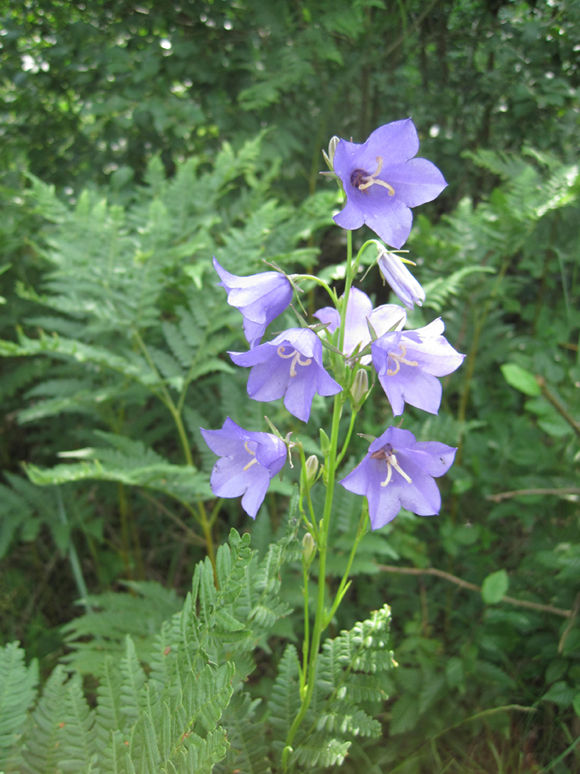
(331, 465)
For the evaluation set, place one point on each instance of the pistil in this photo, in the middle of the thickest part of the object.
(387, 454)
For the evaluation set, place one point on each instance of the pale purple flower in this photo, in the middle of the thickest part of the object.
(289, 366)
(248, 462)
(398, 472)
(260, 298)
(382, 181)
(359, 310)
(408, 363)
(402, 282)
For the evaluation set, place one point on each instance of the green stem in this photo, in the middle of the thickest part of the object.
(318, 281)
(345, 583)
(73, 558)
(331, 465)
(347, 439)
(306, 631)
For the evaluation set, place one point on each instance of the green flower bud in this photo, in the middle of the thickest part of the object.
(329, 157)
(311, 469)
(359, 388)
(324, 443)
(309, 548)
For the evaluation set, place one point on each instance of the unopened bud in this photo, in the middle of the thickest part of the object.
(360, 387)
(324, 443)
(402, 282)
(308, 547)
(311, 469)
(329, 157)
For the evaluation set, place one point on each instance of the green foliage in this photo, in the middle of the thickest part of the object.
(191, 709)
(17, 693)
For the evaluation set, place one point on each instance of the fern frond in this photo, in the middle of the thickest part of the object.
(248, 751)
(41, 749)
(78, 752)
(284, 702)
(17, 694)
(438, 291)
(132, 685)
(109, 721)
(320, 751)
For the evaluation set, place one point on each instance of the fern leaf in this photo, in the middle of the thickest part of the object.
(41, 749)
(320, 751)
(178, 344)
(284, 702)
(248, 747)
(133, 681)
(78, 749)
(17, 693)
(440, 289)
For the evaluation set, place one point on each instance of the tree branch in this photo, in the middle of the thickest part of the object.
(472, 587)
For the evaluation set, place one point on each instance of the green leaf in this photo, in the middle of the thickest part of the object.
(561, 693)
(494, 587)
(520, 379)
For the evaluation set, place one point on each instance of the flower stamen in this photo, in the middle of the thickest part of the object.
(368, 180)
(295, 355)
(387, 454)
(253, 453)
(400, 359)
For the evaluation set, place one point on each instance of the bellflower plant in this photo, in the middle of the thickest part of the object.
(382, 181)
(408, 362)
(398, 472)
(291, 366)
(249, 461)
(359, 313)
(260, 298)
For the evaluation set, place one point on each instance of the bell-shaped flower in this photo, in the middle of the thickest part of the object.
(248, 461)
(260, 298)
(408, 362)
(398, 472)
(382, 181)
(291, 366)
(359, 310)
(400, 279)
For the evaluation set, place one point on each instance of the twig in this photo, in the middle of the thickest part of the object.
(551, 398)
(497, 498)
(193, 536)
(570, 624)
(472, 587)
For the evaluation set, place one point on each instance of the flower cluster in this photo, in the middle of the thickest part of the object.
(382, 180)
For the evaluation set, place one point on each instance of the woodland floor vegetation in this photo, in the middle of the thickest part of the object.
(138, 141)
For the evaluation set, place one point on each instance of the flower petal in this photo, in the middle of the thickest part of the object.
(350, 217)
(416, 182)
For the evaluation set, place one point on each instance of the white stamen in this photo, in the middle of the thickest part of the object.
(295, 355)
(253, 453)
(400, 359)
(392, 463)
(372, 179)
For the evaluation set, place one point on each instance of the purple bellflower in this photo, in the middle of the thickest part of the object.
(402, 282)
(382, 181)
(290, 365)
(248, 462)
(408, 363)
(260, 298)
(398, 472)
(358, 311)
